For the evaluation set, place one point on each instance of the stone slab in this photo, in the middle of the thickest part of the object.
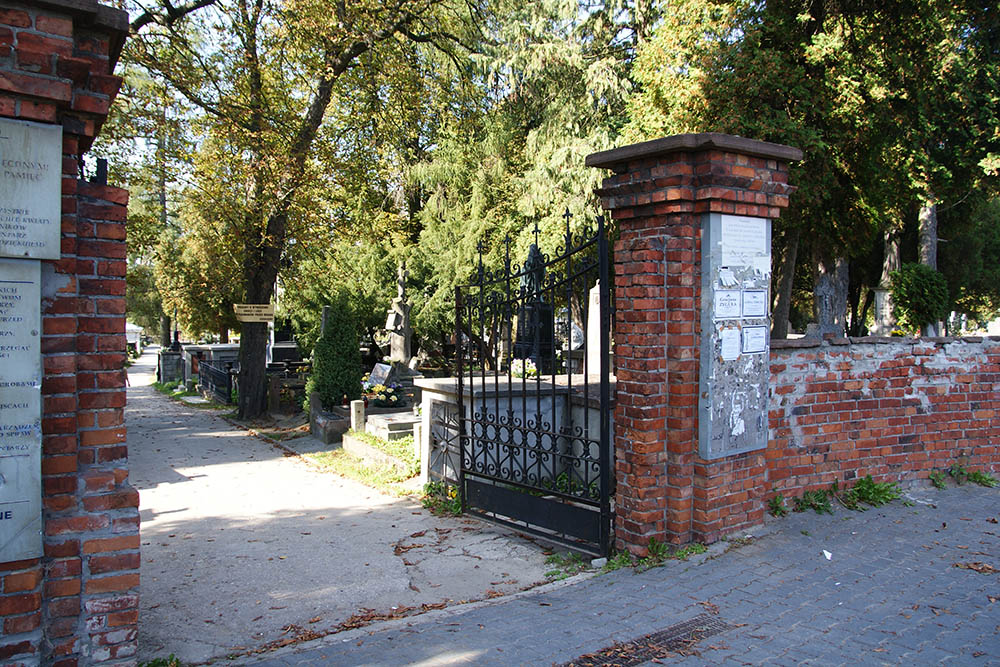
(30, 189)
(20, 410)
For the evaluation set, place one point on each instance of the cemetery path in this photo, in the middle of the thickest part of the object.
(244, 547)
(901, 585)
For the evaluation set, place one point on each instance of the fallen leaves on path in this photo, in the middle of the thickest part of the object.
(977, 566)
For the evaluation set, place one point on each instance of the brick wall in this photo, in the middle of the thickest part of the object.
(78, 604)
(841, 409)
(892, 408)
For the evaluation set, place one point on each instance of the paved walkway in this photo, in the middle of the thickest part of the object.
(242, 546)
(889, 593)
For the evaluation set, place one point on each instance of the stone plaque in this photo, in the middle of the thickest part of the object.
(734, 368)
(30, 189)
(20, 410)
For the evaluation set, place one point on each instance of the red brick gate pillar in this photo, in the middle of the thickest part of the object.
(77, 603)
(658, 196)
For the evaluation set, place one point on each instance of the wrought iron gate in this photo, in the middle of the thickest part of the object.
(534, 393)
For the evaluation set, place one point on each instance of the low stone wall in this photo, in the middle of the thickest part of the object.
(840, 409)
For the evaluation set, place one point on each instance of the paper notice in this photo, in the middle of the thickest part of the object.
(730, 344)
(727, 304)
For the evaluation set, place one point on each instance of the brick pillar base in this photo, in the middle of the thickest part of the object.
(657, 195)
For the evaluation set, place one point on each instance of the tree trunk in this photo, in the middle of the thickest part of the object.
(830, 294)
(223, 334)
(164, 331)
(928, 230)
(253, 370)
(784, 279)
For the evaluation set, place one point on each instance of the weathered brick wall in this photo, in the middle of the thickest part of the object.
(891, 408)
(841, 409)
(79, 603)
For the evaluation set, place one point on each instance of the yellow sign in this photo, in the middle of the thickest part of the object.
(254, 312)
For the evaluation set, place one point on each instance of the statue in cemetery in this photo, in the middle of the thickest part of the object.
(398, 321)
(534, 273)
(535, 338)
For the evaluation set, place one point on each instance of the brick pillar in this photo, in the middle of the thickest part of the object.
(658, 194)
(78, 603)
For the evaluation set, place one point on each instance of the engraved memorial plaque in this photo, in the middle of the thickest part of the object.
(20, 410)
(30, 189)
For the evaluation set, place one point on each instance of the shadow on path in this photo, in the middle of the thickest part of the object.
(240, 541)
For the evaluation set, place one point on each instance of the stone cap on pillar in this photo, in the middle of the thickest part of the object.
(701, 141)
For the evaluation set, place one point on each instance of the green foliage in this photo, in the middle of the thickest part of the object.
(961, 475)
(776, 506)
(400, 448)
(866, 491)
(565, 565)
(657, 552)
(387, 479)
(170, 661)
(441, 499)
(920, 295)
(818, 501)
(336, 363)
(618, 561)
(937, 479)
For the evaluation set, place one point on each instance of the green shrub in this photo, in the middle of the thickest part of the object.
(336, 364)
(919, 295)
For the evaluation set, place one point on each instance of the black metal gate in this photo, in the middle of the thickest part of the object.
(534, 393)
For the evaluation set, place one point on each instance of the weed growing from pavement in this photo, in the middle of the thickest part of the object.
(961, 476)
(441, 499)
(817, 500)
(170, 661)
(564, 565)
(657, 554)
(776, 506)
(937, 479)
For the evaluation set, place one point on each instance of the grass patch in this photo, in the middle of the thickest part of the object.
(441, 499)
(387, 479)
(173, 389)
(401, 448)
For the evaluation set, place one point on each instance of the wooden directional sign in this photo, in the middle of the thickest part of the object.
(254, 312)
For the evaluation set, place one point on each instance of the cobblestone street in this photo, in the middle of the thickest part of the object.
(904, 584)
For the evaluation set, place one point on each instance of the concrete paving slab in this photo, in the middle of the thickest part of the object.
(244, 545)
